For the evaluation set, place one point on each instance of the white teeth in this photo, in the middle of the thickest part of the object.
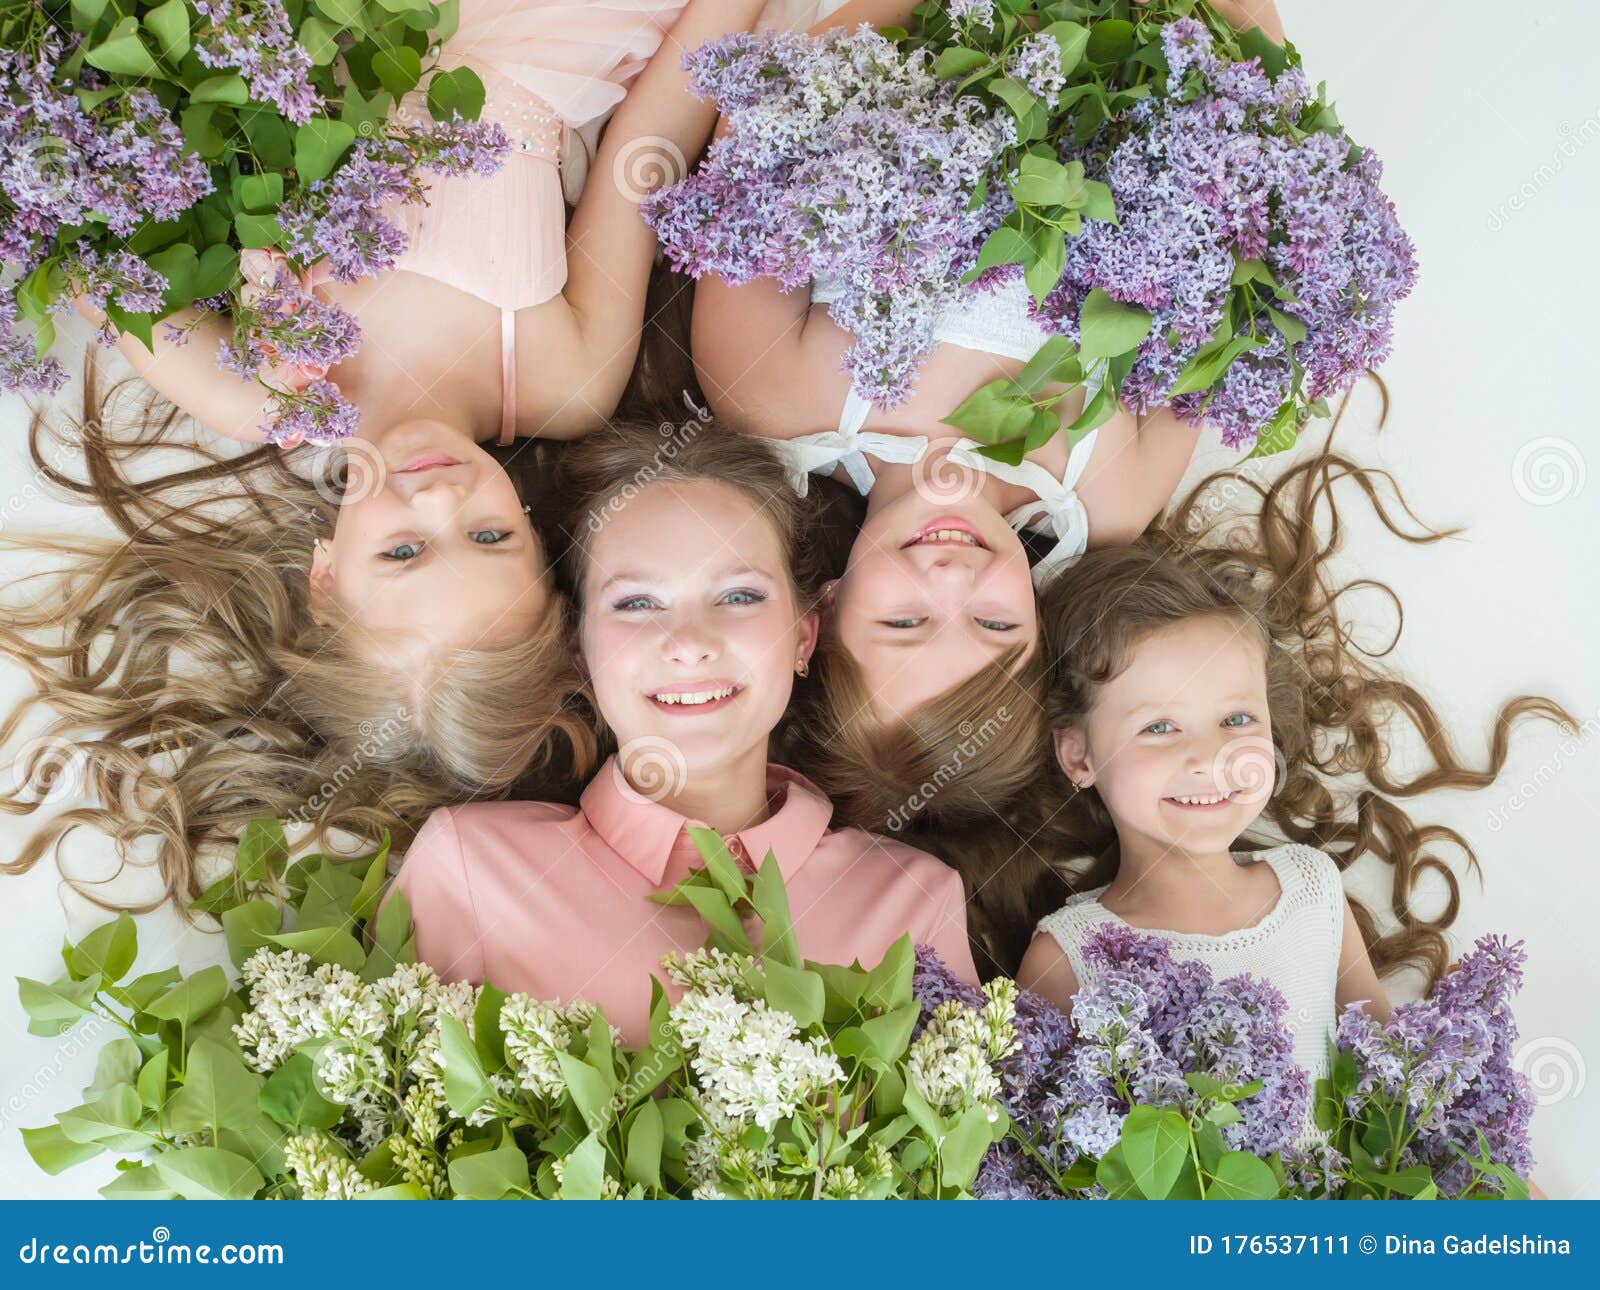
(693, 697)
(946, 535)
(1211, 800)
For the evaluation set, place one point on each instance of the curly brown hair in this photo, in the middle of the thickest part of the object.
(1335, 708)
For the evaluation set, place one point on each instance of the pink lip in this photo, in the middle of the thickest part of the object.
(1193, 806)
(694, 687)
(427, 461)
(946, 522)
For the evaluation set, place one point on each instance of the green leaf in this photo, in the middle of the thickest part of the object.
(466, 1084)
(218, 268)
(107, 1120)
(1006, 245)
(490, 1175)
(398, 69)
(250, 926)
(152, 1082)
(392, 937)
(346, 13)
(1242, 1176)
(585, 1170)
(1109, 327)
(1211, 362)
(263, 850)
(54, 1152)
(228, 88)
(590, 1092)
(136, 325)
(1278, 435)
(1098, 203)
(963, 1148)
(116, 1064)
(956, 61)
(209, 1173)
(889, 1032)
(140, 1183)
(795, 991)
(1255, 43)
(371, 889)
(169, 24)
(642, 1164)
(888, 984)
(1050, 257)
(319, 39)
(713, 906)
(1110, 41)
(1224, 1113)
(108, 950)
(1096, 412)
(1294, 331)
(720, 865)
(1023, 104)
(191, 998)
(122, 52)
(1155, 1143)
(259, 193)
(1043, 181)
(403, 6)
(992, 413)
(778, 944)
(152, 985)
(221, 1096)
(58, 1005)
(398, 1191)
(457, 92)
(1072, 37)
(200, 133)
(325, 944)
(1055, 360)
(320, 143)
(291, 1098)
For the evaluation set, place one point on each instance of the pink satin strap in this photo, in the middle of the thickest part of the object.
(508, 375)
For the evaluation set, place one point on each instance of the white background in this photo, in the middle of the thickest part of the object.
(1488, 120)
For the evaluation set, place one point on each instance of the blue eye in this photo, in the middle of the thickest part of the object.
(1238, 719)
(904, 624)
(743, 597)
(488, 537)
(1151, 729)
(629, 604)
(994, 626)
(404, 551)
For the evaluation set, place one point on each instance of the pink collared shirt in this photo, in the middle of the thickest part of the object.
(550, 901)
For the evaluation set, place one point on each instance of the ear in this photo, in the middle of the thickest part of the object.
(1072, 755)
(807, 631)
(321, 581)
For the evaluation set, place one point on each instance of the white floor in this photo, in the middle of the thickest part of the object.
(1489, 124)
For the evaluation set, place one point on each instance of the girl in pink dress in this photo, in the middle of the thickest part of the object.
(377, 644)
(693, 620)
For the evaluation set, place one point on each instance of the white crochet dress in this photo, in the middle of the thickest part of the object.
(1296, 946)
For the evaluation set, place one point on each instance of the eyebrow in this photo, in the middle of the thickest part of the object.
(635, 575)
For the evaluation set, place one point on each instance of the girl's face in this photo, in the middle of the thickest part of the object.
(431, 547)
(933, 592)
(1179, 745)
(690, 630)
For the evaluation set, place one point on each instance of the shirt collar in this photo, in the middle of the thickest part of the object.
(650, 836)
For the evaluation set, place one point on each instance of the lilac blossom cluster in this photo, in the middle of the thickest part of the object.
(1146, 1022)
(342, 217)
(255, 38)
(1215, 173)
(64, 167)
(848, 159)
(1448, 1062)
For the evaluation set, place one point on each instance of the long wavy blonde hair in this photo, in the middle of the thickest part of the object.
(190, 688)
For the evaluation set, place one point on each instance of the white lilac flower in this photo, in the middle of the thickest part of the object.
(321, 1172)
(714, 969)
(750, 1062)
(535, 1032)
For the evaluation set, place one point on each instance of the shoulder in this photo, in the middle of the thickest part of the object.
(887, 856)
(1306, 864)
(482, 830)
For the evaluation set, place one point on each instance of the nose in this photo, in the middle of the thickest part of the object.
(687, 639)
(949, 572)
(436, 496)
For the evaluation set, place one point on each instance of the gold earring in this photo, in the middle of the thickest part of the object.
(802, 668)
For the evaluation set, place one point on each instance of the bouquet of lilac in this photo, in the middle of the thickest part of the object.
(1190, 220)
(1429, 1103)
(1163, 1083)
(221, 153)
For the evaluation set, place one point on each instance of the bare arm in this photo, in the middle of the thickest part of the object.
(610, 249)
(1045, 970)
(1357, 979)
(188, 376)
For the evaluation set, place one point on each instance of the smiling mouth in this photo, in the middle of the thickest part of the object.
(1202, 801)
(946, 531)
(701, 698)
(427, 461)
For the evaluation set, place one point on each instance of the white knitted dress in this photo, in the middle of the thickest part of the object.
(1296, 946)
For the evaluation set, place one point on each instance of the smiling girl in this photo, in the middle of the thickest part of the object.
(694, 615)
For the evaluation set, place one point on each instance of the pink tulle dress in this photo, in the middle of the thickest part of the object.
(549, 67)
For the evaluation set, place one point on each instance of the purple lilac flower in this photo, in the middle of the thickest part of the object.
(1448, 1061)
(847, 159)
(255, 38)
(115, 277)
(1209, 176)
(1036, 62)
(1146, 1022)
(20, 371)
(318, 413)
(290, 326)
